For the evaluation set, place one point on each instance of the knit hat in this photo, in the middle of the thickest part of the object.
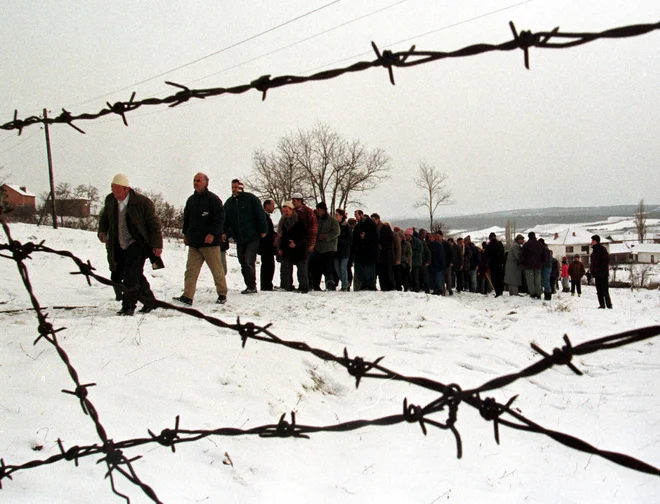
(296, 195)
(121, 180)
(321, 205)
(287, 204)
(408, 231)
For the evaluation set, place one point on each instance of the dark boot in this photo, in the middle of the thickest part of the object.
(548, 296)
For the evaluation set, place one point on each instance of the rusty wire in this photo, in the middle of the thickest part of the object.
(441, 413)
(523, 40)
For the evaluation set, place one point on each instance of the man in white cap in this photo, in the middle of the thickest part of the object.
(130, 228)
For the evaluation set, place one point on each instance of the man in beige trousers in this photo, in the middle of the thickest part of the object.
(203, 224)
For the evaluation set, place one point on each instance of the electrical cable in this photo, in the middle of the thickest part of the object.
(231, 46)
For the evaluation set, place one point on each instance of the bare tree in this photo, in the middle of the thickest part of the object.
(63, 190)
(320, 164)
(276, 175)
(639, 275)
(435, 192)
(640, 221)
(171, 217)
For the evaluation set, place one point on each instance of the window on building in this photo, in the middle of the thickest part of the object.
(585, 248)
(569, 250)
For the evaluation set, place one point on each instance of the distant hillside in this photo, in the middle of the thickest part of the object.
(530, 217)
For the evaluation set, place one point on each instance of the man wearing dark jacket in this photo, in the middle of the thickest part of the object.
(203, 223)
(245, 222)
(438, 264)
(385, 260)
(267, 250)
(532, 262)
(447, 273)
(128, 224)
(600, 270)
(365, 244)
(457, 263)
(495, 258)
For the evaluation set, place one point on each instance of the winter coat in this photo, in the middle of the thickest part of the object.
(326, 234)
(204, 214)
(532, 254)
(143, 224)
(245, 218)
(448, 253)
(293, 228)
(475, 257)
(494, 254)
(457, 256)
(513, 270)
(467, 257)
(267, 243)
(365, 248)
(417, 250)
(308, 215)
(554, 273)
(600, 261)
(426, 252)
(344, 240)
(406, 253)
(399, 238)
(437, 257)
(386, 244)
(576, 271)
(564, 270)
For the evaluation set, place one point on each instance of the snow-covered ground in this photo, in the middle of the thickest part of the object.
(149, 369)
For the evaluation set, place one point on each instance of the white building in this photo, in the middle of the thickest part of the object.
(569, 242)
(648, 253)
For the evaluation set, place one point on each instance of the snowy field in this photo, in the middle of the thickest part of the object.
(150, 368)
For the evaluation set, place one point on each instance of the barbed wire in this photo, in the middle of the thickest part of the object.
(523, 40)
(441, 413)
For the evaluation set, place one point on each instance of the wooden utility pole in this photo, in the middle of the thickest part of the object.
(50, 171)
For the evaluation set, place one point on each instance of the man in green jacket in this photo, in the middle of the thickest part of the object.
(246, 223)
(130, 228)
(325, 248)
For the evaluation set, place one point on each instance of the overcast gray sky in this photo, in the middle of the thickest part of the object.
(582, 127)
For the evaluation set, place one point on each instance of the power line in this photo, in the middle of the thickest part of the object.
(215, 53)
(342, 25)
(415, 37)
(21, 142)
(377, 11)
(523, 41)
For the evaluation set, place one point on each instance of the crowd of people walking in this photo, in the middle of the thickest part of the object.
(356, 253)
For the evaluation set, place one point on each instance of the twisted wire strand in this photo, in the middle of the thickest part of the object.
(523, 40)
(441, 413)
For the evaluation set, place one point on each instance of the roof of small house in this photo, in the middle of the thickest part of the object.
(570, 236)
(649, 248)
(19, 190)
(619, 248)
